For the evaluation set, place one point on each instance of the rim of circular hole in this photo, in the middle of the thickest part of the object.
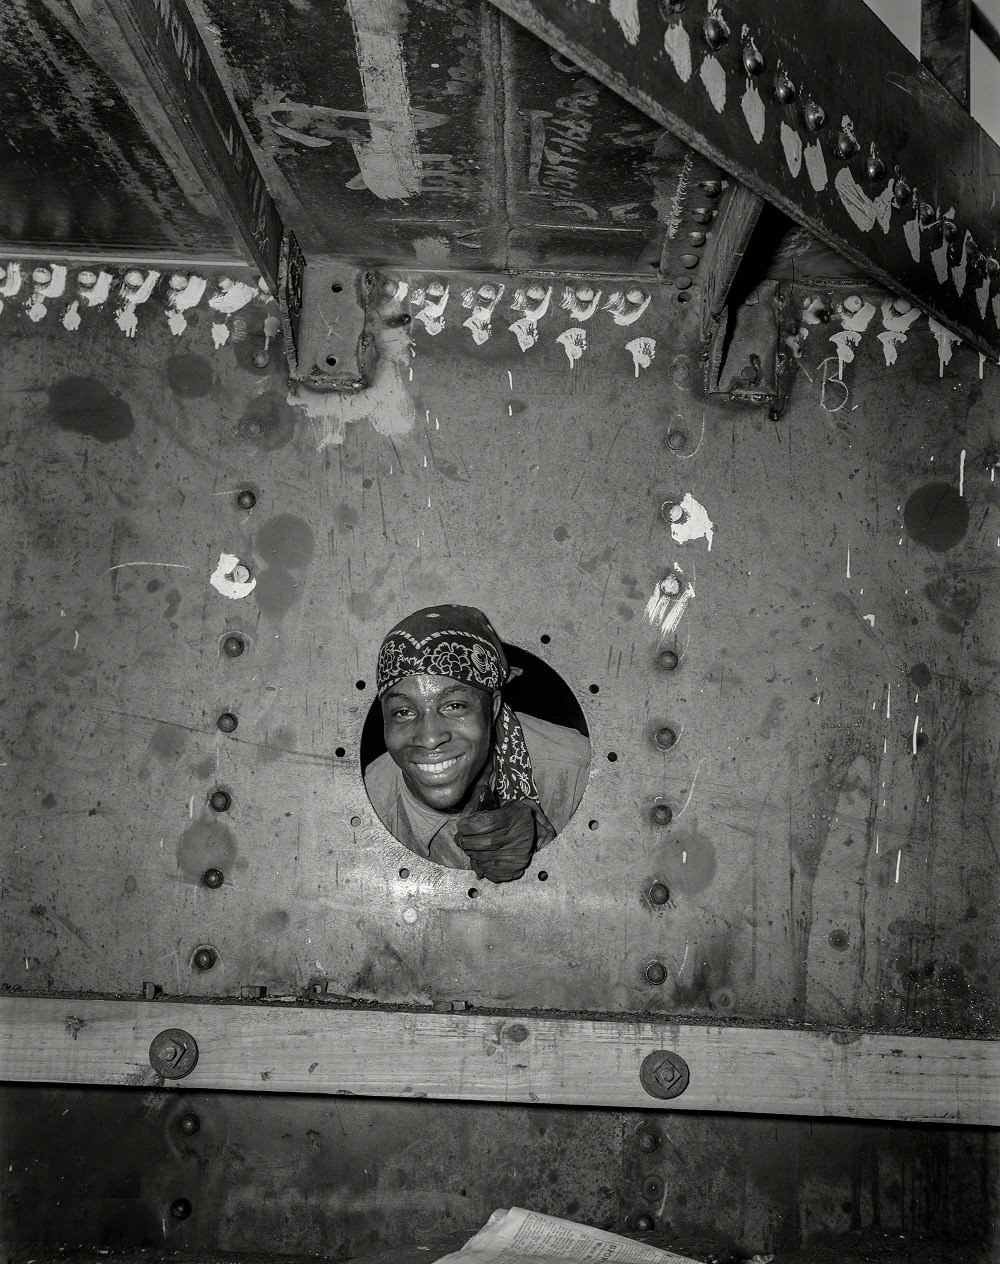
(545, 638)
(594, 688)
(340, 752)
(593, 824)
(361, 684)
(612, 757)
(474, 893)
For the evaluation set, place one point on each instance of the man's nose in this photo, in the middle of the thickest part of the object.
(431, 732)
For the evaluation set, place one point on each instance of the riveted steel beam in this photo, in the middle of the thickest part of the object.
(822, 112)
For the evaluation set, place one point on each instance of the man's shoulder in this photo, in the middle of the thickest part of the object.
(380, 778)
(553, 743)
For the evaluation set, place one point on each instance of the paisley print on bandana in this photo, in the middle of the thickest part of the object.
(459, 642)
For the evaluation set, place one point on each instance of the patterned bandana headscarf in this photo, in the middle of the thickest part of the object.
(459, 642)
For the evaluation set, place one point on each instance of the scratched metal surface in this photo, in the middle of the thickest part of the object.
(832, 854)
(339, 1178)
(86, 160)
(441, 133)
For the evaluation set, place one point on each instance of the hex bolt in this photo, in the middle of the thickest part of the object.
(204, 958)
(815, 116)
(647, 1140)
(227, 722)
(233, 646)
(213, 878)
(656, 973)
(170, 1053)
(189, 1124)
(180, 1208)
(662, 814)
(220, 801)
(665, 737)
(667, 660)
(753, 59)
(652, 1188)
(664, 1074)
(784, 89)
(658, 894)
(245, 499)
(173, 1053)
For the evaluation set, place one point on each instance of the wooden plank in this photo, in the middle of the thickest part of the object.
(944, 44)
(318, 1049)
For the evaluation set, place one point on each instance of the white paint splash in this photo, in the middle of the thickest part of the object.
(714, 79)
(677, 46)
(94, 290)
(48, 282)
(752, 104)
(866, 212)
(642, 351)
(694, 523)
(791, 143)
(534, 303)
(911, 232)
(432, 303)
(220, 334)
(946, 341)
(574, 343)
(897, 316)
(671, 597)
(483, 302)
(223, 581)
(959, 272)
(231, 296)
(856, 313)
(816, 166)
(626, 308)
(389, 162)
(961, 473)
(939, 258)
(983, 295)
(11, 283)
(272, 327)
(135, 289)
(581, 302)
(71, 317)
(185, 293)
(626, 14)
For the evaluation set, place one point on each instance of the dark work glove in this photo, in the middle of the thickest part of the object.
(500, 841)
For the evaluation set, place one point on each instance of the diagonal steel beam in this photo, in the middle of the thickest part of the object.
(821, 111)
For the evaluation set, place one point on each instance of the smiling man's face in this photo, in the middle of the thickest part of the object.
(439, 732)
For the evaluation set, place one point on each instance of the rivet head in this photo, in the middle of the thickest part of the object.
(874, 167)
(213, 878)
(902, 194)
(227, 722)
(992, 267)
(687, 260)
(665, 737)
(656, 973)
(702, 214)
(220, 801)
(670, 586)
(652, 1188)
(261, 359)
(712, 188)
(233, 646)
(667, 660)
(536, 293)
(815, 116)
(658, 893)
(584, 293)
(644, 1223)
(647, 1140)
(784, 89)
(683, 283)
(847, 146)
(246, 499)
(753, 59)
(696, 237)
(949, 229)
(178, 281)
(435, 289)
(240, 573)
(677, 440)
(662, 814)
(839, 939)
(926, 213)
(189, 1124)
(204, 958)
(180, 1208)
(716, 32)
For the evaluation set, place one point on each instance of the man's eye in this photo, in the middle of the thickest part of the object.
(455, 706)
(401, 713)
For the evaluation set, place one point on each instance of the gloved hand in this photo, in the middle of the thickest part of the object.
(500, 841)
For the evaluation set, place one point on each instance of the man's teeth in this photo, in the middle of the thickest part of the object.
(438, 765)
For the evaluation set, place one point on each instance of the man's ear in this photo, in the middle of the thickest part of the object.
(497, 703)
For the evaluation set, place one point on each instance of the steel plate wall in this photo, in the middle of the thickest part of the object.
(830, 856)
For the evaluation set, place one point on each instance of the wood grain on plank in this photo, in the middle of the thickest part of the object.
(473, 1057)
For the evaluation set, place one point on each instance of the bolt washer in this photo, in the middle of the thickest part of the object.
(173, 1053)
(664, 1074)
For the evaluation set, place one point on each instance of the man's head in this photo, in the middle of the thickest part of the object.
(439, 677)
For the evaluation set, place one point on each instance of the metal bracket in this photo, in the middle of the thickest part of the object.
(745, 362)
(328, 313)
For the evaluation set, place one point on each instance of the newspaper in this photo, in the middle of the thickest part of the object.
(528, 1237)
